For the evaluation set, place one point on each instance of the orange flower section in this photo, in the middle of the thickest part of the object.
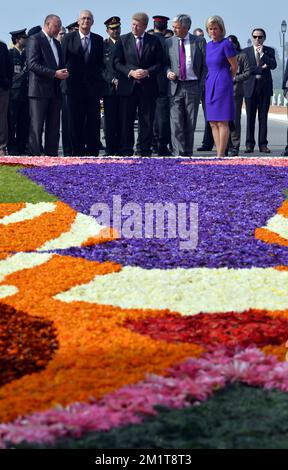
(31, 234)
(283, 210)
(96, 353)
(105, 235)
(10, 208)
(269, 237)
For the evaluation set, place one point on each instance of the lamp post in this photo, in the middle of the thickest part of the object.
(283, 31)
(249, 43)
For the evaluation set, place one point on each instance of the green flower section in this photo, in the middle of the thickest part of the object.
(238, 417)
(15, 187)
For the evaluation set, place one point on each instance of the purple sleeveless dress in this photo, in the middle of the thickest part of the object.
(219, 98)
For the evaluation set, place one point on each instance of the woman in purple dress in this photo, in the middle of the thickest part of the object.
(222, 67)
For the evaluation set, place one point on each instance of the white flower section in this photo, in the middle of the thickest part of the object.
(30, 211)
(5, 291)
(21, 261)
(187, 291)
(82, 228)
(278, 224)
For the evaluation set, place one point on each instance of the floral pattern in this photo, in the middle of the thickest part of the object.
(106, 328)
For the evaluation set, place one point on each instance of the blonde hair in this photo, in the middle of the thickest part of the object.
(216, 20)
(141, 17)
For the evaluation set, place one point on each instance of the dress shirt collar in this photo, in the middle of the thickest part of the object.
(185, 39)
(84, 35)
(47, 35)
(142, 36)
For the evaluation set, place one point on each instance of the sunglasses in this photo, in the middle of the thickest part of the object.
(259, 37)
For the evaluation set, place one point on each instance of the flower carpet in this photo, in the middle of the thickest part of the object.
(113, 341)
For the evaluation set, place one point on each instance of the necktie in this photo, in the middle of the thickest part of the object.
(182, 60)
(258, 58)
(139, 46)
(86, 49)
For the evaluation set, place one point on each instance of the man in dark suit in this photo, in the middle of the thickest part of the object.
(83, 57)
(45, 65)
(258, 89)
(5, 84)
(138, 58)
(18, 112)
(111, 98)
(186, 73)
(161, 127)
(285, 93)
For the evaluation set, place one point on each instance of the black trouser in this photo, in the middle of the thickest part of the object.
(18, 124)
(85, 123)
(66, 127)
(146, 109)
(161, 126)
(44, 110)
(112, 123)
(258, 102)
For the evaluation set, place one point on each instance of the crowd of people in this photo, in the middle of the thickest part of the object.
(54, 78)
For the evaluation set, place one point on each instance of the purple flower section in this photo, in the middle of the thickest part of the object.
(232, 201)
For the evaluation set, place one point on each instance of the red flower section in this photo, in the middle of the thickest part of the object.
(230, 329)
(26, 344)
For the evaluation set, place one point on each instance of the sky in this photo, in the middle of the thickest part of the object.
(240, 17)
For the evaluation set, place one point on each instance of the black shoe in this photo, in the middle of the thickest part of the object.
(204, 149)
(234, 153)
(164, 152)
(249, 150)
(285, 153)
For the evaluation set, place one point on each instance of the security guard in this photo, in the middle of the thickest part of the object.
(161, 126)
(111, 99)
(18, 112)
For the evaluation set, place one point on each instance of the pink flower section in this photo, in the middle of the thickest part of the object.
(189, 383)
(275, 161)
(55, 161)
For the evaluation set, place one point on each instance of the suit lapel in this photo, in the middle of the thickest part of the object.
(176, 51)
(193, 48)
(133, 46)
(145, 43)
(48, 49)
(252, 56)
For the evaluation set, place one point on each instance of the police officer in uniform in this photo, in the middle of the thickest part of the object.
(161, 126)
(18, 112)
(111, 99)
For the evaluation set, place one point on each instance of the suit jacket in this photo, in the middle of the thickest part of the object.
(198, 57)
(109, 72)
(268, 58)
(126, 59)
(42, 67)
(83, 76)
(5, 68)
(243, 73)
(19, 89)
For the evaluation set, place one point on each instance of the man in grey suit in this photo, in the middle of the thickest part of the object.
(186, 72)
(45, 65)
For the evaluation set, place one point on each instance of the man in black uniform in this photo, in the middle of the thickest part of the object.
(111, 99)
(5, 84)
(161, 126)
(18, 112)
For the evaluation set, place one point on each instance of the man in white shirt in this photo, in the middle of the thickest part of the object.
(186, 72)
(45, 65)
